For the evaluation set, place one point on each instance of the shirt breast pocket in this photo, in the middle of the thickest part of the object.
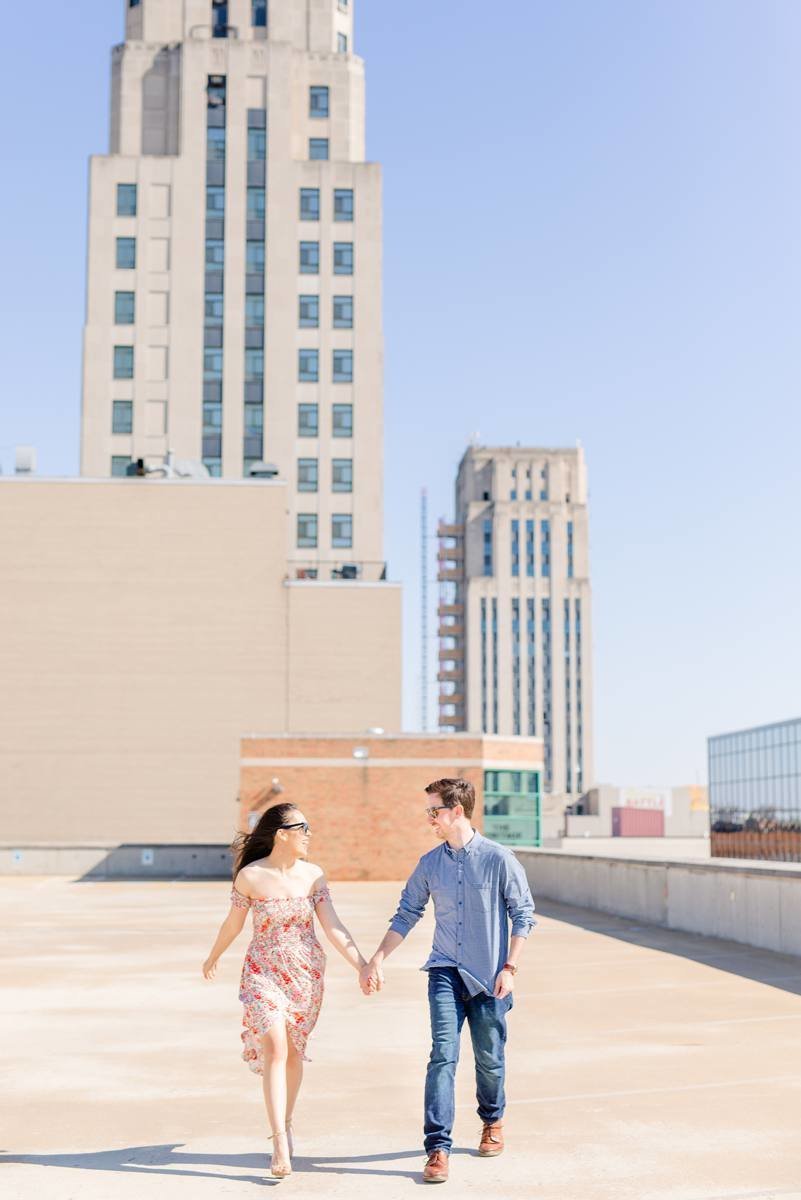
(478, 897)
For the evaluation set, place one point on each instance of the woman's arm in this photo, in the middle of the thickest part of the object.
(230, 928)
(335, 931)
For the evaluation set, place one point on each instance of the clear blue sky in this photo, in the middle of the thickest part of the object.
(591, 231)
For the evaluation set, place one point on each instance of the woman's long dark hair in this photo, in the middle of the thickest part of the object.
(259, 842)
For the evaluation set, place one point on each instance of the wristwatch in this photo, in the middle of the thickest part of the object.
(509, 967)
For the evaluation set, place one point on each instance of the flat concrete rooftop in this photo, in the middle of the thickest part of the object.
(644, 1064)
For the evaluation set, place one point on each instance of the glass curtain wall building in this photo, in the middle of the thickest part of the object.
(513, 807)
(755, 792)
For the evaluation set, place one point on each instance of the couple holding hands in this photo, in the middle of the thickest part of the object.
(478, 888)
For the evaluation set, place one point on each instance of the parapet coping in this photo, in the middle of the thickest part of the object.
(721, 865)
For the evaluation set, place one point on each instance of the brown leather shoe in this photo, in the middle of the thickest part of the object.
(491, 1139)
(436, 1169)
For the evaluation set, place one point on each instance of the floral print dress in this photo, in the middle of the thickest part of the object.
(282, 976)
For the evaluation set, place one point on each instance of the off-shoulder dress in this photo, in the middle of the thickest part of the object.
(282, 976)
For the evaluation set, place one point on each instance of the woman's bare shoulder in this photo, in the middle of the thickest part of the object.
(246, 880)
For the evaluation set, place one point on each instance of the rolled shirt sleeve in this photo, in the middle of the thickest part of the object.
(412, 903)
(518, 899)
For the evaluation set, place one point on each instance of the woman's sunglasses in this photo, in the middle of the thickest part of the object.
(298, 825)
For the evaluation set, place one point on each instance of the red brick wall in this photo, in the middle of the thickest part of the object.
(368, 819)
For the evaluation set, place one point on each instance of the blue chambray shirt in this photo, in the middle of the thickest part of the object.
(476, 891)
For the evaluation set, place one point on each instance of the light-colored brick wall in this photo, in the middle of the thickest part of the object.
(145, 630)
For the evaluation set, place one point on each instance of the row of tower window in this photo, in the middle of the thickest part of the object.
(341, 420)
(341, 531)
(309, 366)
(308, 310)
(343, 199)
(341, 475)
(309, 256)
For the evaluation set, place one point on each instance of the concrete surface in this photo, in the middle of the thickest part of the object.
(644, 1064)
(758, 903)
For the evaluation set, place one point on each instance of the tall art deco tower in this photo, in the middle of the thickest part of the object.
(234, 274)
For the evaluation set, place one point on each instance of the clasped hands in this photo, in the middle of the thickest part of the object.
(371, 978)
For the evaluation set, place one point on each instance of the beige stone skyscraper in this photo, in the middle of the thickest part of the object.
(234, 274)
(515, 623)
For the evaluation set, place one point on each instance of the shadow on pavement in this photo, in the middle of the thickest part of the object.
(167, 1160)
(749, 962)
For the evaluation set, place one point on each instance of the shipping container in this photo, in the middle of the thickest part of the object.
(638, 822)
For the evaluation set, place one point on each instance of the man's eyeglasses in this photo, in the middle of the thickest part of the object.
(298, 825)
(435, 808)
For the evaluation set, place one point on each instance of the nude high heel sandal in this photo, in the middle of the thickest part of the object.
(278, 1172)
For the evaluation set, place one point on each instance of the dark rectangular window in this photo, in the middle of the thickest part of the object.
(318, 149)
(123, 362)
(215, 254)
(570, 549)
(254, 420)
(487, 546)
(126, 199)
(342, 475)
(255, 257)
(215, 201)
(259, 14)
(343, 204)
(212, 364)
(124, 308)
(309, 312)
(343, 312)
(307, 474)
(257, 145)
(310, 204)
(310, 258)
(255, 204)
(122, 416)
(212, 419)
(318, 101)
(254, 365)
(214, 308)
(136, 3)
(342, 530)
(308, 366)
(545, 549)
(126, 253)
(119, 464)
(307, 530)
(342, 421)
(342, 5)
(516, 549)
(254, 311)
(308, 420)
(343, 258)
(219, 18)
(342, 43)
(215, 143)
(343, 366)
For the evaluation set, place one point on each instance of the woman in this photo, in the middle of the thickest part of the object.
(282, 977)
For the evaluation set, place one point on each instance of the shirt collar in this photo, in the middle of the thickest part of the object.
(471, 846)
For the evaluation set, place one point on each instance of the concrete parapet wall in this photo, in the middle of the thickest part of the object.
(131, 861)
(755, 903)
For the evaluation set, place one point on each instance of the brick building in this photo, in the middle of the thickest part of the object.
(363, 795)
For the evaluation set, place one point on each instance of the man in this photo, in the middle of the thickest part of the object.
(477, 887)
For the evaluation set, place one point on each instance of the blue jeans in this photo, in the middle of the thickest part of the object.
(450, 1003)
